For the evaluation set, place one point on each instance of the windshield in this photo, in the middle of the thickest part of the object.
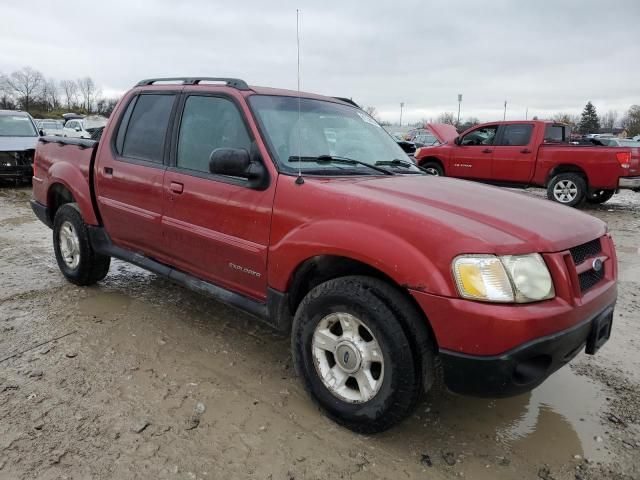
(326, 129)
(94, 123)
(16, 126)
(50, 126)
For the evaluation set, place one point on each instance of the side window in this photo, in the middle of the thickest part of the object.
(124, 124)
(147, 127)
(556, 134)
(71, 124)
(209, 123)
(480, 136)
(517, 135)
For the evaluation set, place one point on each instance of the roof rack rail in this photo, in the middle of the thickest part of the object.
(348, 100)
(231, 82)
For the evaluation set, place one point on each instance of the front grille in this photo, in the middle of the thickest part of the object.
(586, 250)
(590, 278)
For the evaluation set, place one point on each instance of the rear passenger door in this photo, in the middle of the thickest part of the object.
(513, 154)
(216, 226)
(130, 173)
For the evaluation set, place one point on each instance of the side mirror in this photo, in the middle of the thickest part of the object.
(41, 132)
(77, 129)
(457, 140)
(237, 162)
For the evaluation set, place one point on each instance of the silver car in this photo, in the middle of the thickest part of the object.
(18, 139)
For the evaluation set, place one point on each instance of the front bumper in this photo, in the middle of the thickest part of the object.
(632, 183)
(527, 366)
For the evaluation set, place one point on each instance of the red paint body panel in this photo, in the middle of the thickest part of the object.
(530, 164)
(408, 227)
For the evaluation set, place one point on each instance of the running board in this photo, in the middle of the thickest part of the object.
(272, 312)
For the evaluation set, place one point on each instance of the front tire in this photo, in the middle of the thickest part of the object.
(77, 260)
(597, 197)
(433, 168)
(567, 188)
(352, 350)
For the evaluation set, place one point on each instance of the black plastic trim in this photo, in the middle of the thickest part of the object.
(273, 312)
(42, 212)
(497, 375)
(79, 142)
(236, 83)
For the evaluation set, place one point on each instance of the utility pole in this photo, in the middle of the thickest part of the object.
(504, 117)
(526, 114)
(401, 107)
(459, 102)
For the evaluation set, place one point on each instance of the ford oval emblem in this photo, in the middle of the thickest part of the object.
(345, 358)
(597, 265)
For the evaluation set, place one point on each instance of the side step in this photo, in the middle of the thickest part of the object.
(273, 312)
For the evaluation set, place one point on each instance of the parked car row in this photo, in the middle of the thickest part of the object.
(301, 210)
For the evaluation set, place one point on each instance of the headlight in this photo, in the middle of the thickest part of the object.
(506, 279)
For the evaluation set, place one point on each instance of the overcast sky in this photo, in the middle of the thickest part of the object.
(549, 56)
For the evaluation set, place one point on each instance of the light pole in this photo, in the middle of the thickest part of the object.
(459, 102)
(401, 107)
(504, 117)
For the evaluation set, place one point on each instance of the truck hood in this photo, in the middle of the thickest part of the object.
(17, 144)
(443, 132)
(467, 217)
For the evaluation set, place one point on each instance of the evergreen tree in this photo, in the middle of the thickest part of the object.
(589, 122)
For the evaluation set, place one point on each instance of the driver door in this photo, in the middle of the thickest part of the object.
(473, 156)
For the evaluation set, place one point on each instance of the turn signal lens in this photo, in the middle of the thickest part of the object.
(482, 278)
(624, 159)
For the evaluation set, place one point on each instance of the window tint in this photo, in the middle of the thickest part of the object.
(517, 134)
(480, 136)
(556, 134)
(124, 123)
(145, 134)
(209, 123)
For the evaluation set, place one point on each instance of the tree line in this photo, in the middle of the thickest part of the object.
(29, 90)
(590, 122)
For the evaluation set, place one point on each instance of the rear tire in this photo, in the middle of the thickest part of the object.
(350, 318)
(567, 188)
(77, 260)
(599, 196)
(433, 168)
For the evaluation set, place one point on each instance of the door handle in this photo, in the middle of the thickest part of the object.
(487, 150)
(176, 187)
(525, 150)
(108, 171)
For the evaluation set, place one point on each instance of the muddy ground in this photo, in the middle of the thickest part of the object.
(152, 381)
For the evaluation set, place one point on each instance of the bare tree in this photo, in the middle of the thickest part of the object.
(6, 101)
(373, 112)
(26, 84)
(566, 118)
(50, 95)
(88, 92)
(448, 118)
(631, 120)
(609, 119)
(104, 106)
(70, 93)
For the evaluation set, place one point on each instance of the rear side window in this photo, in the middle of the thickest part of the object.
(556, 133)
(517, 135)
(209, 123)
(145, 131)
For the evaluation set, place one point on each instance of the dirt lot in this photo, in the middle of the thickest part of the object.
(152, 381)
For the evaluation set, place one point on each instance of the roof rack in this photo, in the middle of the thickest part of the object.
(348, 100)
(230, 82)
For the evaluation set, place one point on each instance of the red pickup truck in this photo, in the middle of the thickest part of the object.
(533, 153)
(301, 210)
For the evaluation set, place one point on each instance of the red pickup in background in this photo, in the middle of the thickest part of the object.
(533, 153)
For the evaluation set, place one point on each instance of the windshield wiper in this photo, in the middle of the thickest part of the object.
(324, 159)
(400, 163)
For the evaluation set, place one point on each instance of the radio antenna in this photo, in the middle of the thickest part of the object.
(299, 180)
